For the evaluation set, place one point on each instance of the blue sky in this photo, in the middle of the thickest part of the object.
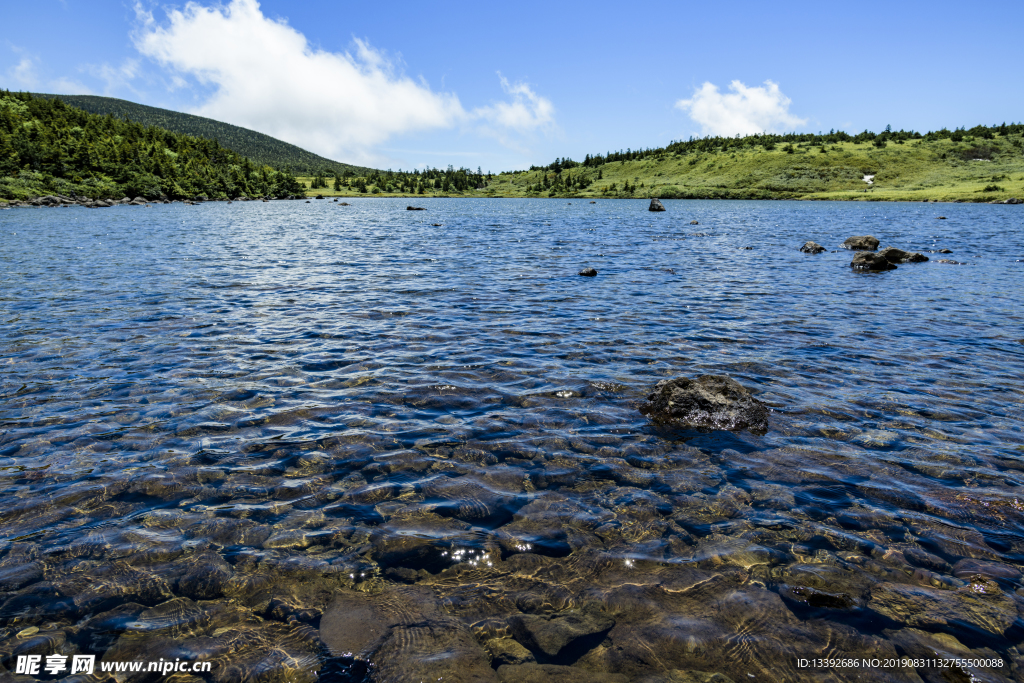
(503, 85)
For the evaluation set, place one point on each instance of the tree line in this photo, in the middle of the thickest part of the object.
(262, 149)
(769, 141)
(406, 182)
(49, 147)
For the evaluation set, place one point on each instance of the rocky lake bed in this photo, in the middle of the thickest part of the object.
(309, 441)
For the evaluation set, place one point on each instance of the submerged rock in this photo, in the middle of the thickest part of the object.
(982, 606)
(812, 248)
(969, 567)
(656, 205)
(867, 260)
(433, 650)
(709, 402)
(550, 634)
(861, 243)
(588, 272)
(681, 676)
(894, 255)
(817, 598)
(553, 673)
(508, 651)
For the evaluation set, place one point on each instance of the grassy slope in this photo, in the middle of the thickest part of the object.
(261, 148)
(908, 172)
(913, 171)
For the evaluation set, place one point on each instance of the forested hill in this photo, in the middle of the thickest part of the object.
(49, 147)
(261, 149)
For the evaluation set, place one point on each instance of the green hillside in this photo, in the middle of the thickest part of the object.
(261, 149)
(48, 147)
(983, 164)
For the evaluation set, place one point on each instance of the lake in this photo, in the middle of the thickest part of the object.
(288, 438)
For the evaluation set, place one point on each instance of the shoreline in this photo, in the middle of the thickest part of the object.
(58, 201)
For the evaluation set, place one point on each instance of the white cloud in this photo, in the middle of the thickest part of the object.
(24, 73)
(527, 111)
(744, 111)
(264, 74)
(114, 77)
(67, 86)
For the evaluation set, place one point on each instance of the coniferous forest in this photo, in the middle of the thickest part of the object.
(259, 147)
(49, 147)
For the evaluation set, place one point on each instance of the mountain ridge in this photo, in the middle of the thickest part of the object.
(259, 147)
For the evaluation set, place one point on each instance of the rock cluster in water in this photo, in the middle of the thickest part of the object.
(894, 256)
(868, 260)
(708, 402)
(861, 243)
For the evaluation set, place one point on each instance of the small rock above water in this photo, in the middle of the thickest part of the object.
(656, 205)
(708, 402)
(694, 222)
(861, 243)
(812, 248)
(415, 208)
(894, 255)
(588, 272)
(867, 260)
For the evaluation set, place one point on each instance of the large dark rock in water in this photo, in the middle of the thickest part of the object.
(812, 248)
(550, 634)
(867, 260)
(861, 243)
(894, 255)
(708, 402)
(656, 205)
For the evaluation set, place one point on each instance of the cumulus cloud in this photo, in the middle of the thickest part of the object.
(115, 77)
(744, 111)
(24, 72)
(263, 74)
(527, 110)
